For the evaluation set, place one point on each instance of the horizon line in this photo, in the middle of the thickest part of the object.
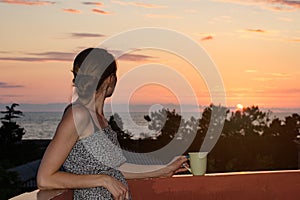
(142, 107)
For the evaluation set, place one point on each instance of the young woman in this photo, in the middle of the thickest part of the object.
(84, 143)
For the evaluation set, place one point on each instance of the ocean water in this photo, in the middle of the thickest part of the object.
(39, 125)
(42, 125)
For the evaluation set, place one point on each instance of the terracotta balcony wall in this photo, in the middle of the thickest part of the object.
(243, 185)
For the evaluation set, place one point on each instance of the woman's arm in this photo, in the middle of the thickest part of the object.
(49, 176)
(133, 171)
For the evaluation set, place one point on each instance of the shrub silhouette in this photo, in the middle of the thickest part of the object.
(10, 131)
(250, 139)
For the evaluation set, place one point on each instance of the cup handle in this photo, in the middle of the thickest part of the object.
(188, 168)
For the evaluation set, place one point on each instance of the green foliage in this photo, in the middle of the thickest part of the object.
(10, 131)
(249, 140)
(13, 152)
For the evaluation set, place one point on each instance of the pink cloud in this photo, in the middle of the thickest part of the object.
(93, 3)
(58, 56)
(276, 5)
(53, 56)
(209, 37)
(8, 85)
(86, 35)
(132, 57)
(135, 57)
(295, 3)
(70, 10)
(146, 5)
(28, 3)
(256, 30)
(295, 40)
(95, 10)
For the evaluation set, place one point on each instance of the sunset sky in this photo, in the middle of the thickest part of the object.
(255, 45)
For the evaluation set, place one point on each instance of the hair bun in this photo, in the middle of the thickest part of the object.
(86, 85)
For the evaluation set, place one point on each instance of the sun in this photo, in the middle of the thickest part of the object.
(239, 106)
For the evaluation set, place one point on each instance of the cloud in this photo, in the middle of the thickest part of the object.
(95, 10)
(27, 3)
(209, 37)
(132, 57)
(43, 57)
(70, 10)
(295, 40)
(205, 36)
(162, 16)
(276, 91)
(291, 3)
(7, 85)
(86, 35)
(256, 30)
(273, 76)
(146, 5)
(136, 57)
(280, 75)
(262, 34)
(288, 91)
(138, 4)
(54, 56)
(275, 5)
(93, 3)
(255, 93)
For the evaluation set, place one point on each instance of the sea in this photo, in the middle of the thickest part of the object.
(42, 125)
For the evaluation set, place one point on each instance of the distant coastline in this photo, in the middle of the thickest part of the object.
(59, 107)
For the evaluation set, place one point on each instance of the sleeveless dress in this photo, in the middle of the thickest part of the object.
(98, 153)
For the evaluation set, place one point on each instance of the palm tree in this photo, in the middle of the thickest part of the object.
(11, 113)
(10, 131)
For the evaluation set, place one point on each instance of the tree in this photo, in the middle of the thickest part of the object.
(250, 139)
(10, 131)
(11, 113)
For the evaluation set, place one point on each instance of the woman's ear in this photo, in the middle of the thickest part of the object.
(112, 78)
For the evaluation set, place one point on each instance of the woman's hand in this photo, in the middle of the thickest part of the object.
(178, 164)
(175, 166)
(118, 190)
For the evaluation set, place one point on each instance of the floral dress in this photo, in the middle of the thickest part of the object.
(98, 153)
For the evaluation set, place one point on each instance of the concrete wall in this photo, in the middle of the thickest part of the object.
(245, 185)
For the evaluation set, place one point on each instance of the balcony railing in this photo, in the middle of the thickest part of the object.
(242, 185)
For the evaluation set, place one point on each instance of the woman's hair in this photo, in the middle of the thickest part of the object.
(90, 68)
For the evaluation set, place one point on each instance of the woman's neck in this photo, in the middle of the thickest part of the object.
(95, 107)
(96, 104)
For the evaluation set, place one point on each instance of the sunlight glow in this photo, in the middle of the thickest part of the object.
(239, 106)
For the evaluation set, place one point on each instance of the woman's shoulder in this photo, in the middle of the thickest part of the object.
(78, 113)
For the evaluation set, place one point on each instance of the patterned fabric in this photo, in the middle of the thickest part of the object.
(99, 153)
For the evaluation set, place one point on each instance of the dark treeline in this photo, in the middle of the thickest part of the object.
(14, 152)
(250, 140)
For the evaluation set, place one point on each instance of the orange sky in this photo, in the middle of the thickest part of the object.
(254, 44)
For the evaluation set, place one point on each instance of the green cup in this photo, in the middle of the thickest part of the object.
(198, 162)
